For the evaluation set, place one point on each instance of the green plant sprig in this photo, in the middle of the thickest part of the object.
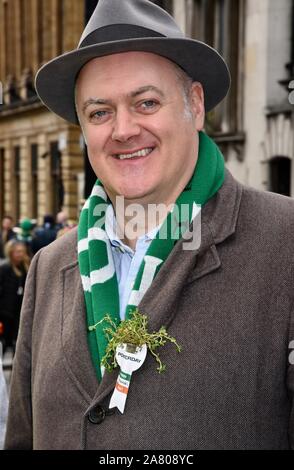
(133, 331)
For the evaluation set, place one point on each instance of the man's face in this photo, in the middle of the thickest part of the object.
(142, 140)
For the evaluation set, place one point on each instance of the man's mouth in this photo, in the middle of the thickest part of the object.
(138, 154)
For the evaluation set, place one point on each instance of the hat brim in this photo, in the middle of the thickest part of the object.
(55, 81)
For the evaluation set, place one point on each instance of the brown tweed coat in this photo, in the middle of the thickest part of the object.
(229, 304)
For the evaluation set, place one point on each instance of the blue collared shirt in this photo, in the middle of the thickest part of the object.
(126, 261)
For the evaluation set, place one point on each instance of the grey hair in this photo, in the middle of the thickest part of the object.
(186, 83)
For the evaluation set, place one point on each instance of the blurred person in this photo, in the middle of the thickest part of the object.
(13, 275)
(25, 233)
(44, 235)
(67, 228)
(6, 233)
(61, 220)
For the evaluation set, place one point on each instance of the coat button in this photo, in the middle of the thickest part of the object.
(96, 415)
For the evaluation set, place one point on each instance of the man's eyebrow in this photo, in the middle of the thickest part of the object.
(94, 101)
(133, 94)
(146, 88)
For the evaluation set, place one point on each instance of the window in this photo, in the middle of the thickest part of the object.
(59, 26)
(219, 24)
(2, 157)
(16, 186)
(280, 179)
(90, 6)
(39, 7)
(166, 4)
(57, 192)
(34, 180)
(5, 49)
(90, 176)
(23, 34)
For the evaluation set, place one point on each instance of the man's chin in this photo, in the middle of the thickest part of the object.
(131, 194)
(135, 198)
(135, 194)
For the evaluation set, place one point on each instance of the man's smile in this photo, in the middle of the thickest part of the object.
(134, 155)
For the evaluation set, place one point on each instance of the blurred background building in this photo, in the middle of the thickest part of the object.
(43, 162)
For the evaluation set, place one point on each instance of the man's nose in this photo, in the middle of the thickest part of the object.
(125, 126)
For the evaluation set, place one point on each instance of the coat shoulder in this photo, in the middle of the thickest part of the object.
(61, 252)
(266, 204)
(268, 215)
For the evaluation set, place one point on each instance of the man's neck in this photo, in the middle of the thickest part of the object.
(142, 220)
(138, 217)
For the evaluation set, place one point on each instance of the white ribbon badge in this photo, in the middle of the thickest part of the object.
(129, 358)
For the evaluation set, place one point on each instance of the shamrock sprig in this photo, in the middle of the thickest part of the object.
(133, 331)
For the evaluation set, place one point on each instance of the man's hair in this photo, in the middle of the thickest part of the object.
(186, 83)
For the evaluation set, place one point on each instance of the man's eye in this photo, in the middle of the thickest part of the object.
(98, 115)
(149, 105)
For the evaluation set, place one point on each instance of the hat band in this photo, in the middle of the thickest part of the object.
(118, 32)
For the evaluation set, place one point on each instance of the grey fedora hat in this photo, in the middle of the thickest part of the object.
(131, 25)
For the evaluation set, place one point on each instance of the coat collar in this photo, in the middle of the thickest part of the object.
(218, 222)
(221, 212)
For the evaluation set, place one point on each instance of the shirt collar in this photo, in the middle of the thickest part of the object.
(111, 231)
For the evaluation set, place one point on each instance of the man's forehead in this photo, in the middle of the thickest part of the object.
(124, 74)
(105, 64)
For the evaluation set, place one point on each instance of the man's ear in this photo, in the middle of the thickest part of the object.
(197, 105)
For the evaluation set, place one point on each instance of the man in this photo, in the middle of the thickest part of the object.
(139, 89)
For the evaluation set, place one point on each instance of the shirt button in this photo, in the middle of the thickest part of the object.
(97, 415)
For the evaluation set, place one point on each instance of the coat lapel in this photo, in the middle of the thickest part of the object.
(78, 361)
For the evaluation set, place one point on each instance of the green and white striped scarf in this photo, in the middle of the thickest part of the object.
(94, 249)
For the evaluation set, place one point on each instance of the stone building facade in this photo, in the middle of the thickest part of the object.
(40, 154)
(254, 126)
(42, 158)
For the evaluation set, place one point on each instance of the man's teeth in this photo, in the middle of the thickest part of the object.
(140, 153)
